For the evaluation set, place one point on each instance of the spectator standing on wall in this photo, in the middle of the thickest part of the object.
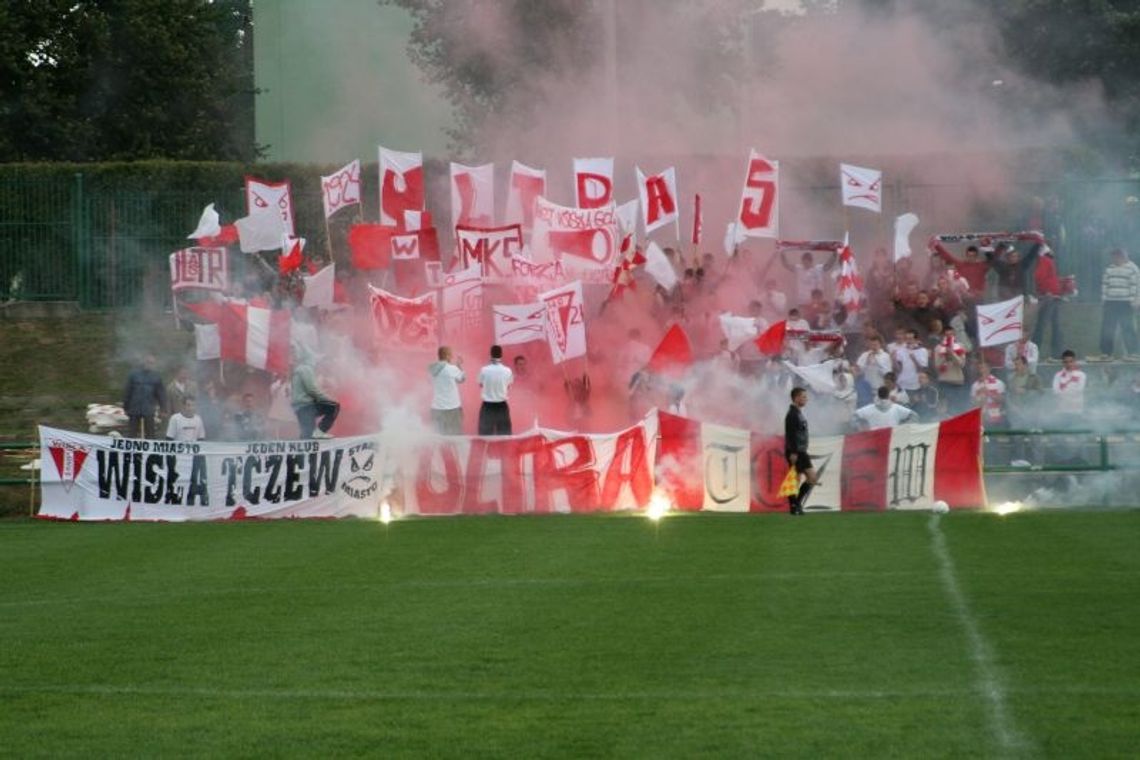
(1049, 302)
(1120, 291)
(143, 399)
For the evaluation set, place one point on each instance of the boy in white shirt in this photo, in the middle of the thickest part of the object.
(186, 424)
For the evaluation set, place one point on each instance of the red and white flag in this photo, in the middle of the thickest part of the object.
(401, 185)
(1002, 322)
(250, 335)
(276, 197)
(410, 323)
(519, 323)
(204, 268)
(862, 188)
(565, 321)
(593, 182)
(472, 195)
(490, 248)
(658, 194)
(341, 188)
(582, 239)
(673, 355)
(698, 220)
(526, 184)
(760, 205)
(849, 288)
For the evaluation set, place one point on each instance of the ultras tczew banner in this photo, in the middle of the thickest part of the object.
(699, 466)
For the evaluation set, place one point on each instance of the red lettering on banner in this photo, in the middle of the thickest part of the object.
(863, 472)
(445, 501)
(594, 190)
(577, 477)
(512, 453)
(529, 188)
(630, 465)
(476, 464)
(468, 194)
(759, 195)
(394, 201)
(769, 467)
(659, 200)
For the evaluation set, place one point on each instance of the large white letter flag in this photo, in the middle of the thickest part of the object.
(519, 323)
(565, 321)
(658, 193)
(401, 185)
(525, 186)
(342, 188)
(276, 197)
(472, 195)
(862, 188)
(593, 182)
(760, 205)
(1000, 323)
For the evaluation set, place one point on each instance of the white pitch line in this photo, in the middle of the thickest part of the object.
(990, 683)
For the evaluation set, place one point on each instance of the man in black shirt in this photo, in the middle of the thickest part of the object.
(796, 449)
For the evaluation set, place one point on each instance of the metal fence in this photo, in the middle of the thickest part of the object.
(61, 240)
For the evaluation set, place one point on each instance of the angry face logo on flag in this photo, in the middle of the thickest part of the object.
(862, 188)
(519, 323)
(1000, 323)
(277, 197)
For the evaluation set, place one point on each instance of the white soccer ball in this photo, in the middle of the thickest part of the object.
(940, 507)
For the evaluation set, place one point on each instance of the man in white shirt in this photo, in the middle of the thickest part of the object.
(446, 409)
(1069, 387)
(884, 413)
(1026, 349)
(909, 358)
(186, 425)
(872, 366)
(494, 380)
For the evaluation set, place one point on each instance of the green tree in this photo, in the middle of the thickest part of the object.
(85, 80)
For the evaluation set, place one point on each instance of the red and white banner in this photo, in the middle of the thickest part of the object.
(699, 466)
(461, 304)
(410, 323)
(593, 182)
(204, 268)
(405, 246)
(341, 188)
(760, 205)
(658, 194)
(519, 323)
(862, 188)
(250, 335)
(489, 248)
(401, 185)
(526, 185)
(265, 197)
(1002, 322)
(472, 195)
(849, 288)
(582, 239)
(565, 321)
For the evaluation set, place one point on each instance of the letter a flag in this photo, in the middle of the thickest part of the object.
(658, 193)
(565, 321)
(771, 341)
(341, 188)
(673, 355)
(658, 267)
(862, 188)
(849, 289)
(401, 185)
(1000, 323)
(472, 195)
(525, 186)
(593, 182)
(760, 204)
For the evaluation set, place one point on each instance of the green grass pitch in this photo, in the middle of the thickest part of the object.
(884, 635)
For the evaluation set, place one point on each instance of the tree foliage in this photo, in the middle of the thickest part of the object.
(84, 80)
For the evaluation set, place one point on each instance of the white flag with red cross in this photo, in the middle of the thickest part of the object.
(263, 197)
(401, 185)
(593, 182)
(341, 188)
(472, 195)
(760, 203)
(658, 193)
(565, 321)
(526, 184)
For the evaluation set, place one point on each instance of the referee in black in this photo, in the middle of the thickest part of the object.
(796, 448)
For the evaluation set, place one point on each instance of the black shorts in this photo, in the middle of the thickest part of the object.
(803, 460)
